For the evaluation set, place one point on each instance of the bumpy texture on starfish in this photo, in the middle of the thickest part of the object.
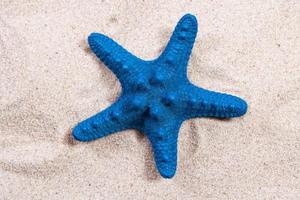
(156, 95)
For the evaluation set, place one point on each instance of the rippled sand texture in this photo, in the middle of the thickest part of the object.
(49, 81)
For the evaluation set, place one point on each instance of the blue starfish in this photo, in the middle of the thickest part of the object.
(156, 95)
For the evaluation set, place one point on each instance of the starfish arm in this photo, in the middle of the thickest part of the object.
(164, 144)
(179, 48)
(102, 124)
(122, 115)
(205, 103)
(113, 55)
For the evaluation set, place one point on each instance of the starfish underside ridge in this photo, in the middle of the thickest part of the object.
(156, 95)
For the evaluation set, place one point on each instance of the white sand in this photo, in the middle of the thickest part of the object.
(49, 81)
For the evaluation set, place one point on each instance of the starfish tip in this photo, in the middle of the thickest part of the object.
(97, 43)
(237, 106)
(93, 37)
(166, 172)
(190, 19)
(242, 107)
(77, 133)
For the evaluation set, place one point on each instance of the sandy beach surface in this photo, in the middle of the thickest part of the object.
(50, 80)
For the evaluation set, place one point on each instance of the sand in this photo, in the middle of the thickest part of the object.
(50, 81)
